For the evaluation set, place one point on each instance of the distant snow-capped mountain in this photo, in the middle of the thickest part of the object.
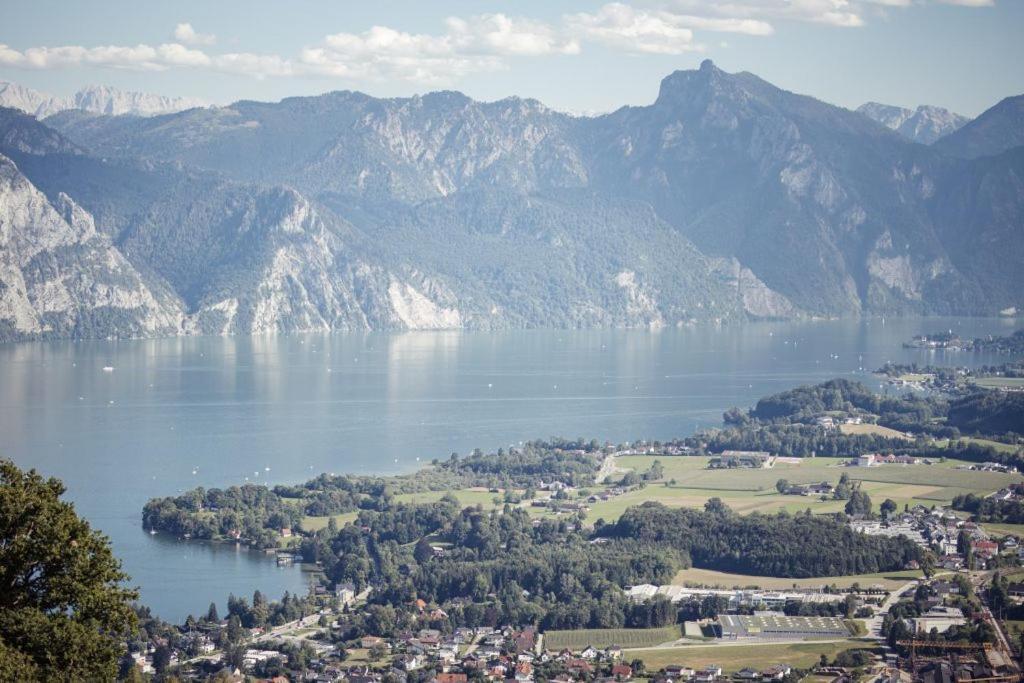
(926, 124)
(94, 99)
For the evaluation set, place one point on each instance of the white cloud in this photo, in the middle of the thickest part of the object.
(626, 28)
(751, 27)
(256, 66)
(844, 13)
(477, 44)
(184, 33)
(840, 13)
(503, 35)
(138, 57)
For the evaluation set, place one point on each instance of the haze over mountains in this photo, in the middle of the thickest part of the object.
(725, 199)
(95, 99)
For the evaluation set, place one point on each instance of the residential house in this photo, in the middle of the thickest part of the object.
(345, 593)
(678, 671)
(451, 678)
(622, 672)
(775, 673)
(708, 674)
(579, 666)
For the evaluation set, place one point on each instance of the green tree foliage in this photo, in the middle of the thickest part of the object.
(64, 610)
(801, 545)
(844, 489)
(255, 514)
(859, 503)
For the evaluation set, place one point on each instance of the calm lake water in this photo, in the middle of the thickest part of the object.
(211, 411)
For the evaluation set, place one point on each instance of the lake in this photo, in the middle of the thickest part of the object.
(215, 411)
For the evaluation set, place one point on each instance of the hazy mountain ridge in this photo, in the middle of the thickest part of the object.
(997, 130)
(725, 198)
(926, 124)
(92, 99)
(243, 258)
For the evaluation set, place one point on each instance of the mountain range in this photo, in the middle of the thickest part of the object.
(94, 99)
(725, 199)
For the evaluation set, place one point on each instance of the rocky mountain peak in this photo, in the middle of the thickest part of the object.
(925, 124)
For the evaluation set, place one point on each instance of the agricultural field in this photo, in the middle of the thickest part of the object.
(732, 658)
(1004, 529)
(577, 640)
(687, 483)
(712, 578)
(878, 430)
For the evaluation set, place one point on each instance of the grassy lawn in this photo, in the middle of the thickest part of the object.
(732, 658)
(357, 655)
(310, 523)
(878, 430)
(709, 577)
(605, 637)
(466, 497)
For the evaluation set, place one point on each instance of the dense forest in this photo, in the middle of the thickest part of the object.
(800, 545)
(787, 422)
(988, 412)
(1012, 344)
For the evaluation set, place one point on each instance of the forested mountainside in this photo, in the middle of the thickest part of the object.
(727, 198)
(997, 130)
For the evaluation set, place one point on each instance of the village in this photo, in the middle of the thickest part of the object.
(507, 653)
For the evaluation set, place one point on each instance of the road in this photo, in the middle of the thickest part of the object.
(874, 624)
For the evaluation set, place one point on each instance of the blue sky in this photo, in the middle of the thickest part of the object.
(575, 56)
